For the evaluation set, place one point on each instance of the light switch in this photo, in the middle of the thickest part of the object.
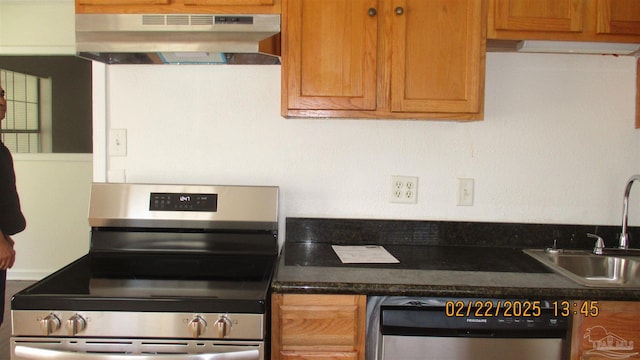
(118, 142)
(465, 192)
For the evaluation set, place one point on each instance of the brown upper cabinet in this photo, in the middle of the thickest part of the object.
(122, 2)
(573, 20)
(229, 2)
(536, 15)
(618, 17)
(177, 6)
(389, 59)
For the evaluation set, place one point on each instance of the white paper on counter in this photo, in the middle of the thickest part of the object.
(364, 254)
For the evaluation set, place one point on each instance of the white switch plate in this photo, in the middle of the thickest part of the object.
(118, 142)
(404, 189)
(465, 192)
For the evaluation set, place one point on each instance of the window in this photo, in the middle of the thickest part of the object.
(22, 129)
(50, 96)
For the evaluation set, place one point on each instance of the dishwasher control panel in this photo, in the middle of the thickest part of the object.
(486, 318)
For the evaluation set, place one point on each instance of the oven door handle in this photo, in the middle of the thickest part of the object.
(31, 353)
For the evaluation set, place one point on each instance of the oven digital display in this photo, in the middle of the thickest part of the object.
(183, 202)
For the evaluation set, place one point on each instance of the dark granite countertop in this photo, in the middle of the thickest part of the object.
(439, 259)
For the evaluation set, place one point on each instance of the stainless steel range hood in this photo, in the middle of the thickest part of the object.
(175, 38)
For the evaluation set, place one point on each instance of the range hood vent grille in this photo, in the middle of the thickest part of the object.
(184, 20)
(153, 20)
(200, 19)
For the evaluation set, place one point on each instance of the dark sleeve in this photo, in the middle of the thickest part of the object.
(11, 219)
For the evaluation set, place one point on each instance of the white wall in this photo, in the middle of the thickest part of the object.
(557, 144)
(41, 27)
(54, 194)
(54, 188)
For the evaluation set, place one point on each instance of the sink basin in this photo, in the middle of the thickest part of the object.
(586, 268)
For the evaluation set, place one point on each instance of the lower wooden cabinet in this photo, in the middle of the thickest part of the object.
(318, 327)
(332, 327)
(612, 331)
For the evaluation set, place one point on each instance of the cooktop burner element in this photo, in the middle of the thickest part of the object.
(172, 262)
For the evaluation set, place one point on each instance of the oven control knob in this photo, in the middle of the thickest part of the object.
(223, 327)
(50, 324)
(76, 324)
(197, 326)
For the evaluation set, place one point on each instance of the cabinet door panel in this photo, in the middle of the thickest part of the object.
(307, 355)
(612, 334)
(618, 17)
(228, 2)
(438, 51)
(539, 15)
(331, 54)
(319, 325)
(122, 2)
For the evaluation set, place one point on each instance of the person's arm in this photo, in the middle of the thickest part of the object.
(11, 218)
(7, 254)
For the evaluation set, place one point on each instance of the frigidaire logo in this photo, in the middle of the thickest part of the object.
(476, 320)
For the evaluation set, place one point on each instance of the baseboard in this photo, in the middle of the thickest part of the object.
(26, 275)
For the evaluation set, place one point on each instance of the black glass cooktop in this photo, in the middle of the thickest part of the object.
(154, 282)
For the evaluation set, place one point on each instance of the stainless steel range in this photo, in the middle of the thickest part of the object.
(178, 272)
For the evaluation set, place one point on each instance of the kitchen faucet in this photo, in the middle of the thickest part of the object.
(624, 237)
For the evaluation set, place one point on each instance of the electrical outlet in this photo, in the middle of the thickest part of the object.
(465, 192)
(404, 189)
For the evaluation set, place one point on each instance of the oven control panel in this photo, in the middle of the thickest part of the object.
(183, 202)
(114, 324)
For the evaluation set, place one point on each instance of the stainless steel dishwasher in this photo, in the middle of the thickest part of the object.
(403, 328)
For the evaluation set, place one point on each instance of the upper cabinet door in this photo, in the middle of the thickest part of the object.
(565, 20)
(122, 2)
(228, 2)
(539, 15)
(177, 6)
(618, 17)
(329, 54)
(165, 2)
(438, 56)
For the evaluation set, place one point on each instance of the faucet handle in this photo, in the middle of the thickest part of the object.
(554, 248)
(597, 249)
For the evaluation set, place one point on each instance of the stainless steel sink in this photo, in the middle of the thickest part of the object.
(586, 268)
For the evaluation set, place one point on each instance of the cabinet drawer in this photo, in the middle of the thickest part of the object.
(306, 355)
(319, 325)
